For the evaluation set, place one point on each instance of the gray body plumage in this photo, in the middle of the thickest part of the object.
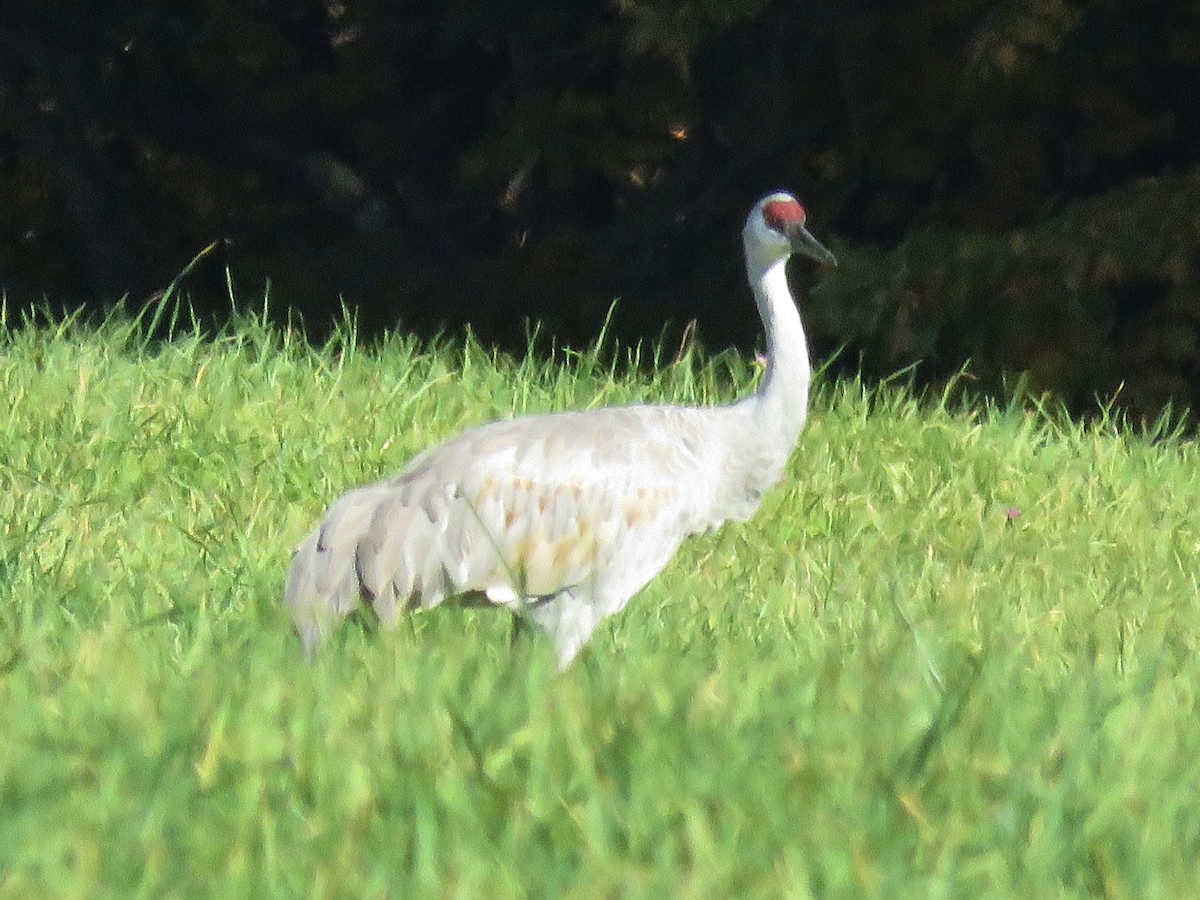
(563, 517)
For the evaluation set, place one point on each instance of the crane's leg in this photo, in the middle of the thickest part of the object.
(568, 619)
(520, 628)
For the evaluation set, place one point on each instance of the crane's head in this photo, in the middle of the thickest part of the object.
(775, 230)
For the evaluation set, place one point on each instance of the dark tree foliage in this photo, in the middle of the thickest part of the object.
(1012, 181)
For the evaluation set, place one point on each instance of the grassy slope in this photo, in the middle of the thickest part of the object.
(887, 684)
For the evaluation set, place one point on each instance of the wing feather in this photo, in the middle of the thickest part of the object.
(513, 511)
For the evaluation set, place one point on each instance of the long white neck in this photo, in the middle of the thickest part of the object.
(780, 405)
(752, 439)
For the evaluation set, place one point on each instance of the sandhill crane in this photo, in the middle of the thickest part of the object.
(562, 518)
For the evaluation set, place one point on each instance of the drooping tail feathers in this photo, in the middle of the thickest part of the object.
(314, 614)
(323, 584)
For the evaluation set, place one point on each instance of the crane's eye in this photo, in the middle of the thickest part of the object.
(784, 214)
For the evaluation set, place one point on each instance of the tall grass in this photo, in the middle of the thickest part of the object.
(954, 655)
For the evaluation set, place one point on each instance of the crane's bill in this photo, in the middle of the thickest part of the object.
(804, 242)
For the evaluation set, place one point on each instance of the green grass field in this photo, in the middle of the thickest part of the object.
(954, 656)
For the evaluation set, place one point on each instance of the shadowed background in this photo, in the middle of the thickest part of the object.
(1015, 182)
